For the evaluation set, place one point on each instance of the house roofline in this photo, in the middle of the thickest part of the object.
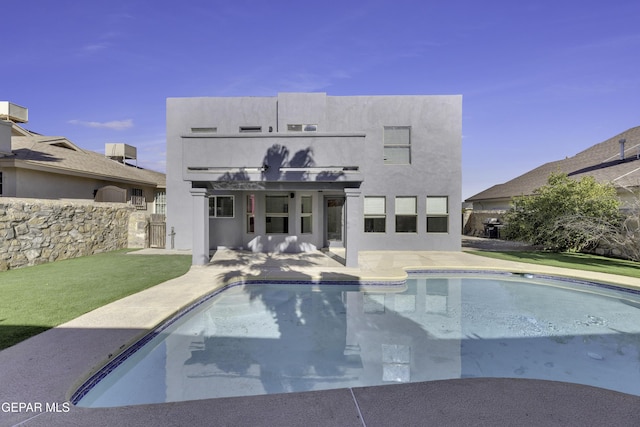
(27, 164)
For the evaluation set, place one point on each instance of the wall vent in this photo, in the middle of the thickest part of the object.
(249, 129)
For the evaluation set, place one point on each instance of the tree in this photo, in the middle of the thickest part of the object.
(622, 236)
(541, 218)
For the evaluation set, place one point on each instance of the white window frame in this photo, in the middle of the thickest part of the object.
(213, 210)
(437, 211)
(404, 208)
(160, 203)
(268, 215)
(393, 144)
(304, 214)
(374, 211)
(250, 211)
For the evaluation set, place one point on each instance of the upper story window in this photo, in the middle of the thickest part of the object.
(221, 206)
(302, 128)
(250, 129)
(204, 130)
(397, 145)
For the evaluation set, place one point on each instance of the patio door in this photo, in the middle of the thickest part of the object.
(334, 221)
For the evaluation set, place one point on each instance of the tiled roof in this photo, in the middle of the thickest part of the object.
(62, 155)
(602, 161)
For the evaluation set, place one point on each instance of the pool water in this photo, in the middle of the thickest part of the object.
(279, 338)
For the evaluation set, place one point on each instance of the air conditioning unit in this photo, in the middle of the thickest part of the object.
(120, 151)
(13, 112)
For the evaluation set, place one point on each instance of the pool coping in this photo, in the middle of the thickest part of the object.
(49, 367)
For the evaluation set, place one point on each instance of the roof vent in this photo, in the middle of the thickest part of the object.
(622, 141)
(13, 112)
(120, 152)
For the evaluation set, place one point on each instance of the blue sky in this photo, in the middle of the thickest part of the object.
(541, 80)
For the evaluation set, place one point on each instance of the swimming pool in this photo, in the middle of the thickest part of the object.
(276, 338)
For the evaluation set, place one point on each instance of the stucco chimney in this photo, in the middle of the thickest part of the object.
(622, 141)
(5, 138)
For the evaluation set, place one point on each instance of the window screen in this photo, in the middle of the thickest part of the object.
(406, 215)
(277, 214)
(375, 214)
(437, 214)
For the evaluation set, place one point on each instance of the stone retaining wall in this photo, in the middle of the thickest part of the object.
(36, 231)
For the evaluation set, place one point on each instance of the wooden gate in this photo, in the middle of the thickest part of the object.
(157, 231)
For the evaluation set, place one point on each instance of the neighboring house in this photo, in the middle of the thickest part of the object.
(302, 171)
(51, 167)
(615, 161)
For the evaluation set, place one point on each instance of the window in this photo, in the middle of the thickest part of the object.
(0, 183)
(302, 128)
(161, 202)
(437, 214)
(277, 214)
(406, 215)
(375, 216)
(251, 213)
(221, 206)
(137, 198)
(249, 129)
(204, 130)
(397, 145)
(306, 205)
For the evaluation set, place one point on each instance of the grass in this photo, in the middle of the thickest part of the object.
(576, 261)
(35, 299)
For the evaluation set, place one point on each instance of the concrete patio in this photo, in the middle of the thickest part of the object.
(47, 368)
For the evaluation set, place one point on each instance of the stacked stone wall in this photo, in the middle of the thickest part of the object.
(36, 231)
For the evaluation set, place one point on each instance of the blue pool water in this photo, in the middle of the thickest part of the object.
(278, 338)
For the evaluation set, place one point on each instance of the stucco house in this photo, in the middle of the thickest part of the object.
(615, 161)
(52, 167)
(304, 171)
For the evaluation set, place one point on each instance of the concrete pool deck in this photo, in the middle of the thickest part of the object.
(39, 375)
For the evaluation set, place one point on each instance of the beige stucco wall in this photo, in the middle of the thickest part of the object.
(37, 184)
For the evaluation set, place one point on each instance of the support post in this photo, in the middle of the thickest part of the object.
(354, 226)
(200, 227)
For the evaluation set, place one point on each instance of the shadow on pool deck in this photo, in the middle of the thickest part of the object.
(47, 368)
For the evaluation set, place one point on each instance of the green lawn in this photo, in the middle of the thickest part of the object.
(34, 299)
(570, 260)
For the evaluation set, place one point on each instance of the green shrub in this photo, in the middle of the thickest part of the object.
(543, 217)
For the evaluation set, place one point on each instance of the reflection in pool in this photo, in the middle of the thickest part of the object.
(278, 338)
